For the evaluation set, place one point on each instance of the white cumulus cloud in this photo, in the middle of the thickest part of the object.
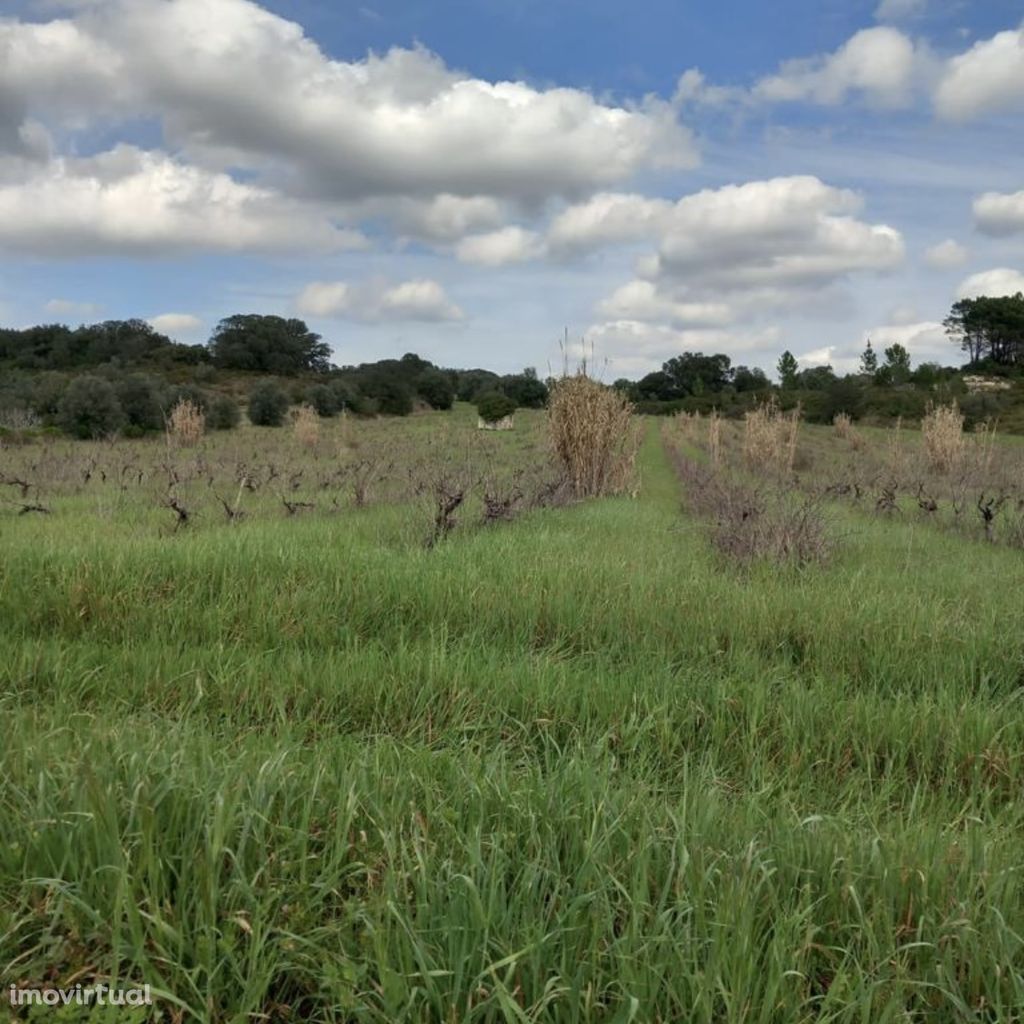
(234, 84)
(174, 324)
(633, 347)
(72, 308)
(998, 213)
(945, 255)
(881, 64)
(499, 248)
(900, 10)
(128, 200)
(988, 77)
(994, 283)
(374, 301)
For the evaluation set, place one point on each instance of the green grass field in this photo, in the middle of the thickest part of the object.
(567, 768)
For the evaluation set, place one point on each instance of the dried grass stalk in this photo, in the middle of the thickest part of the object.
(942, 436)
(715, 438)
(306, 426)
(770, 437)
(186, 424)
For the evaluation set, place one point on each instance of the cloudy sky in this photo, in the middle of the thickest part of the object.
(466, 178)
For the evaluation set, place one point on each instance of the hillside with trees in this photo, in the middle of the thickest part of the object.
(124, 376)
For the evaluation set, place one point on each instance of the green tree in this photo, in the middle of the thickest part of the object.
(787, 369)
(989, 327)
(268, 344)
(817, 378)
(526, 389)
(694, 373)
(89, 408)
(750, 378)
(268, 403)
(896, 368)
(436, 389)
(868, 360)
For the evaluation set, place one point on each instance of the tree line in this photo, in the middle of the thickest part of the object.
(123, 375)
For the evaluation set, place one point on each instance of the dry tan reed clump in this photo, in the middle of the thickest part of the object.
(770, 436)
(306, 426)
(595, 436)
(843, 426)
(688, 425)
(985, 442)
(715, 438)
(942, 436)
(186, 424)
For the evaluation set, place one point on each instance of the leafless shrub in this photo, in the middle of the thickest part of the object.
(292, 507)
(988, 509)
(886, 502)
(749, 524)
(942, 437)
(925, 502)
(306, 426)
(234, 512)
(184, 517)
(186, 424)
(363, 473)
(594, 434)
(448, 497)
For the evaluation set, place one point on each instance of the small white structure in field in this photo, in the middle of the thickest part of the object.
(505, 423)
(979, 385)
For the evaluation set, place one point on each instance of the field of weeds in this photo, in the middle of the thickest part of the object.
(396, 723)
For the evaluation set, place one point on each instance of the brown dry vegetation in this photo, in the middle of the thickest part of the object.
(186, 424)
(595, 436)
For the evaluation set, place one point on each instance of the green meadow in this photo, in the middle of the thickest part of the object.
(570, 767)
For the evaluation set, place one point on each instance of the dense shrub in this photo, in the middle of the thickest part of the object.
(323, 399)
(140, 401)
(268, 404)
(47, 390)
(346, 397)
(436, 389)
(526, 389)
(493, 406)
(89, 408)
(223, 413)
(393, 398)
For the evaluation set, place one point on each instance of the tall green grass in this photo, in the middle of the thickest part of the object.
(566, 769)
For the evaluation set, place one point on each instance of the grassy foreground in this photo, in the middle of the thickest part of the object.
(564, 769)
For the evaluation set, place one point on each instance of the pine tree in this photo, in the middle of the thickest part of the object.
(787, 368)
(868, 361)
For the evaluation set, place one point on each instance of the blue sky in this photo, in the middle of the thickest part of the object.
(466, 179)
